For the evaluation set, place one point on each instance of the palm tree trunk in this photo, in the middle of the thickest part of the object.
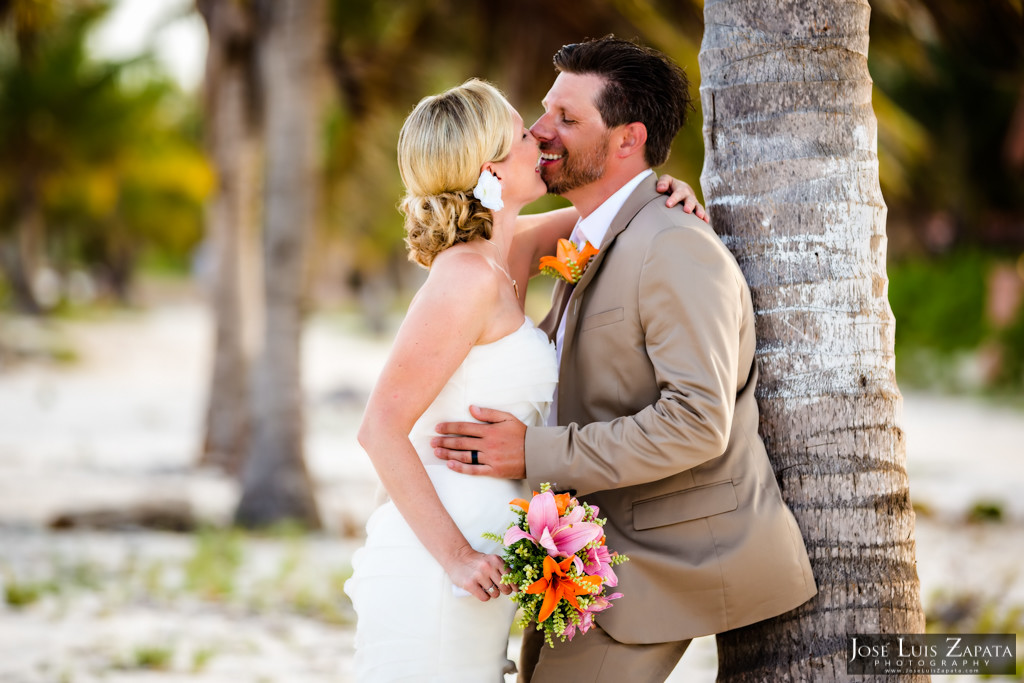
(276, 484)
(231, 142)
(791, 183)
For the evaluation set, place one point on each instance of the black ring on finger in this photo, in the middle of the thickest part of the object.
(474, 457)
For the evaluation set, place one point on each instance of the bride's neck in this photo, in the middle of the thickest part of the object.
(502, 231)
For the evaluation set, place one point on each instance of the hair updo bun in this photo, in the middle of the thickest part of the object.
(443, 145)
(435, 222)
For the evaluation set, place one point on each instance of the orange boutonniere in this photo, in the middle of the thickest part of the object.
(568, 263)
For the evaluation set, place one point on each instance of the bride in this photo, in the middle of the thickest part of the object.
(426, 586)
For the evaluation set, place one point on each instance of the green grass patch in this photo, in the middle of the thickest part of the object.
(212, 570)
(201, 658)
(25, 593)
(986, 511)
(156, 657)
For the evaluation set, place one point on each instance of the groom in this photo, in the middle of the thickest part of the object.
(657, 422)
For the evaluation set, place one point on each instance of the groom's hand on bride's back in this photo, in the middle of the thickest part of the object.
(498, 444)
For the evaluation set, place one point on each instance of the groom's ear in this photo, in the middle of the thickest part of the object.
(632, 138)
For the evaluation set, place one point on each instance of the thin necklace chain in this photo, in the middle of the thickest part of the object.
(504, 268)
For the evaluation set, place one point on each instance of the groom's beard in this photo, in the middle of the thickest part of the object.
(578, 168)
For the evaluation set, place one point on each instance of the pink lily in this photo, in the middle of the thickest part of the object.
(560, 536)
(597, 564)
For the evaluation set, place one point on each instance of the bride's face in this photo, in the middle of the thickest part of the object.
(520, 170)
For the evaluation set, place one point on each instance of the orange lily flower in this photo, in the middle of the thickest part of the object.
(561, 502)
(568, 263)
(556, 585)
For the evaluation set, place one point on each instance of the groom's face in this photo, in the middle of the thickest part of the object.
(573, 137)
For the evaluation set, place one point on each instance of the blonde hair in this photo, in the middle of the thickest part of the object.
(443, 144)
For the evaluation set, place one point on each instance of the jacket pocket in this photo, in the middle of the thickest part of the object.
(683, 506)
(599, 319)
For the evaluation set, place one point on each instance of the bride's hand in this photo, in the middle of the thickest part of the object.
(478, 574)
(679, 191)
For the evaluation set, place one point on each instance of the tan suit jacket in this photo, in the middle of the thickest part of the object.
(656, 392)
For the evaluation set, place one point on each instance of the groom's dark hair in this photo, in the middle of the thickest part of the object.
(641, 84)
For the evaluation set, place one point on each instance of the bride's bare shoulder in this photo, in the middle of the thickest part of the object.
(463, 264)
(462, 275)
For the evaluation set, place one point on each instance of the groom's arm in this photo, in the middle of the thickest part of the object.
(691, 299)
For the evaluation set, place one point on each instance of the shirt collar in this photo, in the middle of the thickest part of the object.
(595, 226)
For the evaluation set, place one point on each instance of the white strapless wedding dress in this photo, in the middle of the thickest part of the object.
(413, 623)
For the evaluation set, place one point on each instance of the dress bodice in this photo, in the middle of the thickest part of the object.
(516, 374)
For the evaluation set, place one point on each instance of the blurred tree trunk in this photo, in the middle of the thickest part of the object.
(276, 484)
(232, 117)
(22, 254)
(120, 259)
(791, 182)
(23, 251)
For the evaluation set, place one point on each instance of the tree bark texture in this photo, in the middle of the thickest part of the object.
(791, 183)
(231, 231)
(276, 484)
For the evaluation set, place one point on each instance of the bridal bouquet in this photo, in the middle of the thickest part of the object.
(559, 563)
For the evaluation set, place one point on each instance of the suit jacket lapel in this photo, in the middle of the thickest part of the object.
(559, 298)
(641, 196)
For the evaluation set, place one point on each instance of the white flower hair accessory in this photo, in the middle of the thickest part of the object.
(488, 191)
